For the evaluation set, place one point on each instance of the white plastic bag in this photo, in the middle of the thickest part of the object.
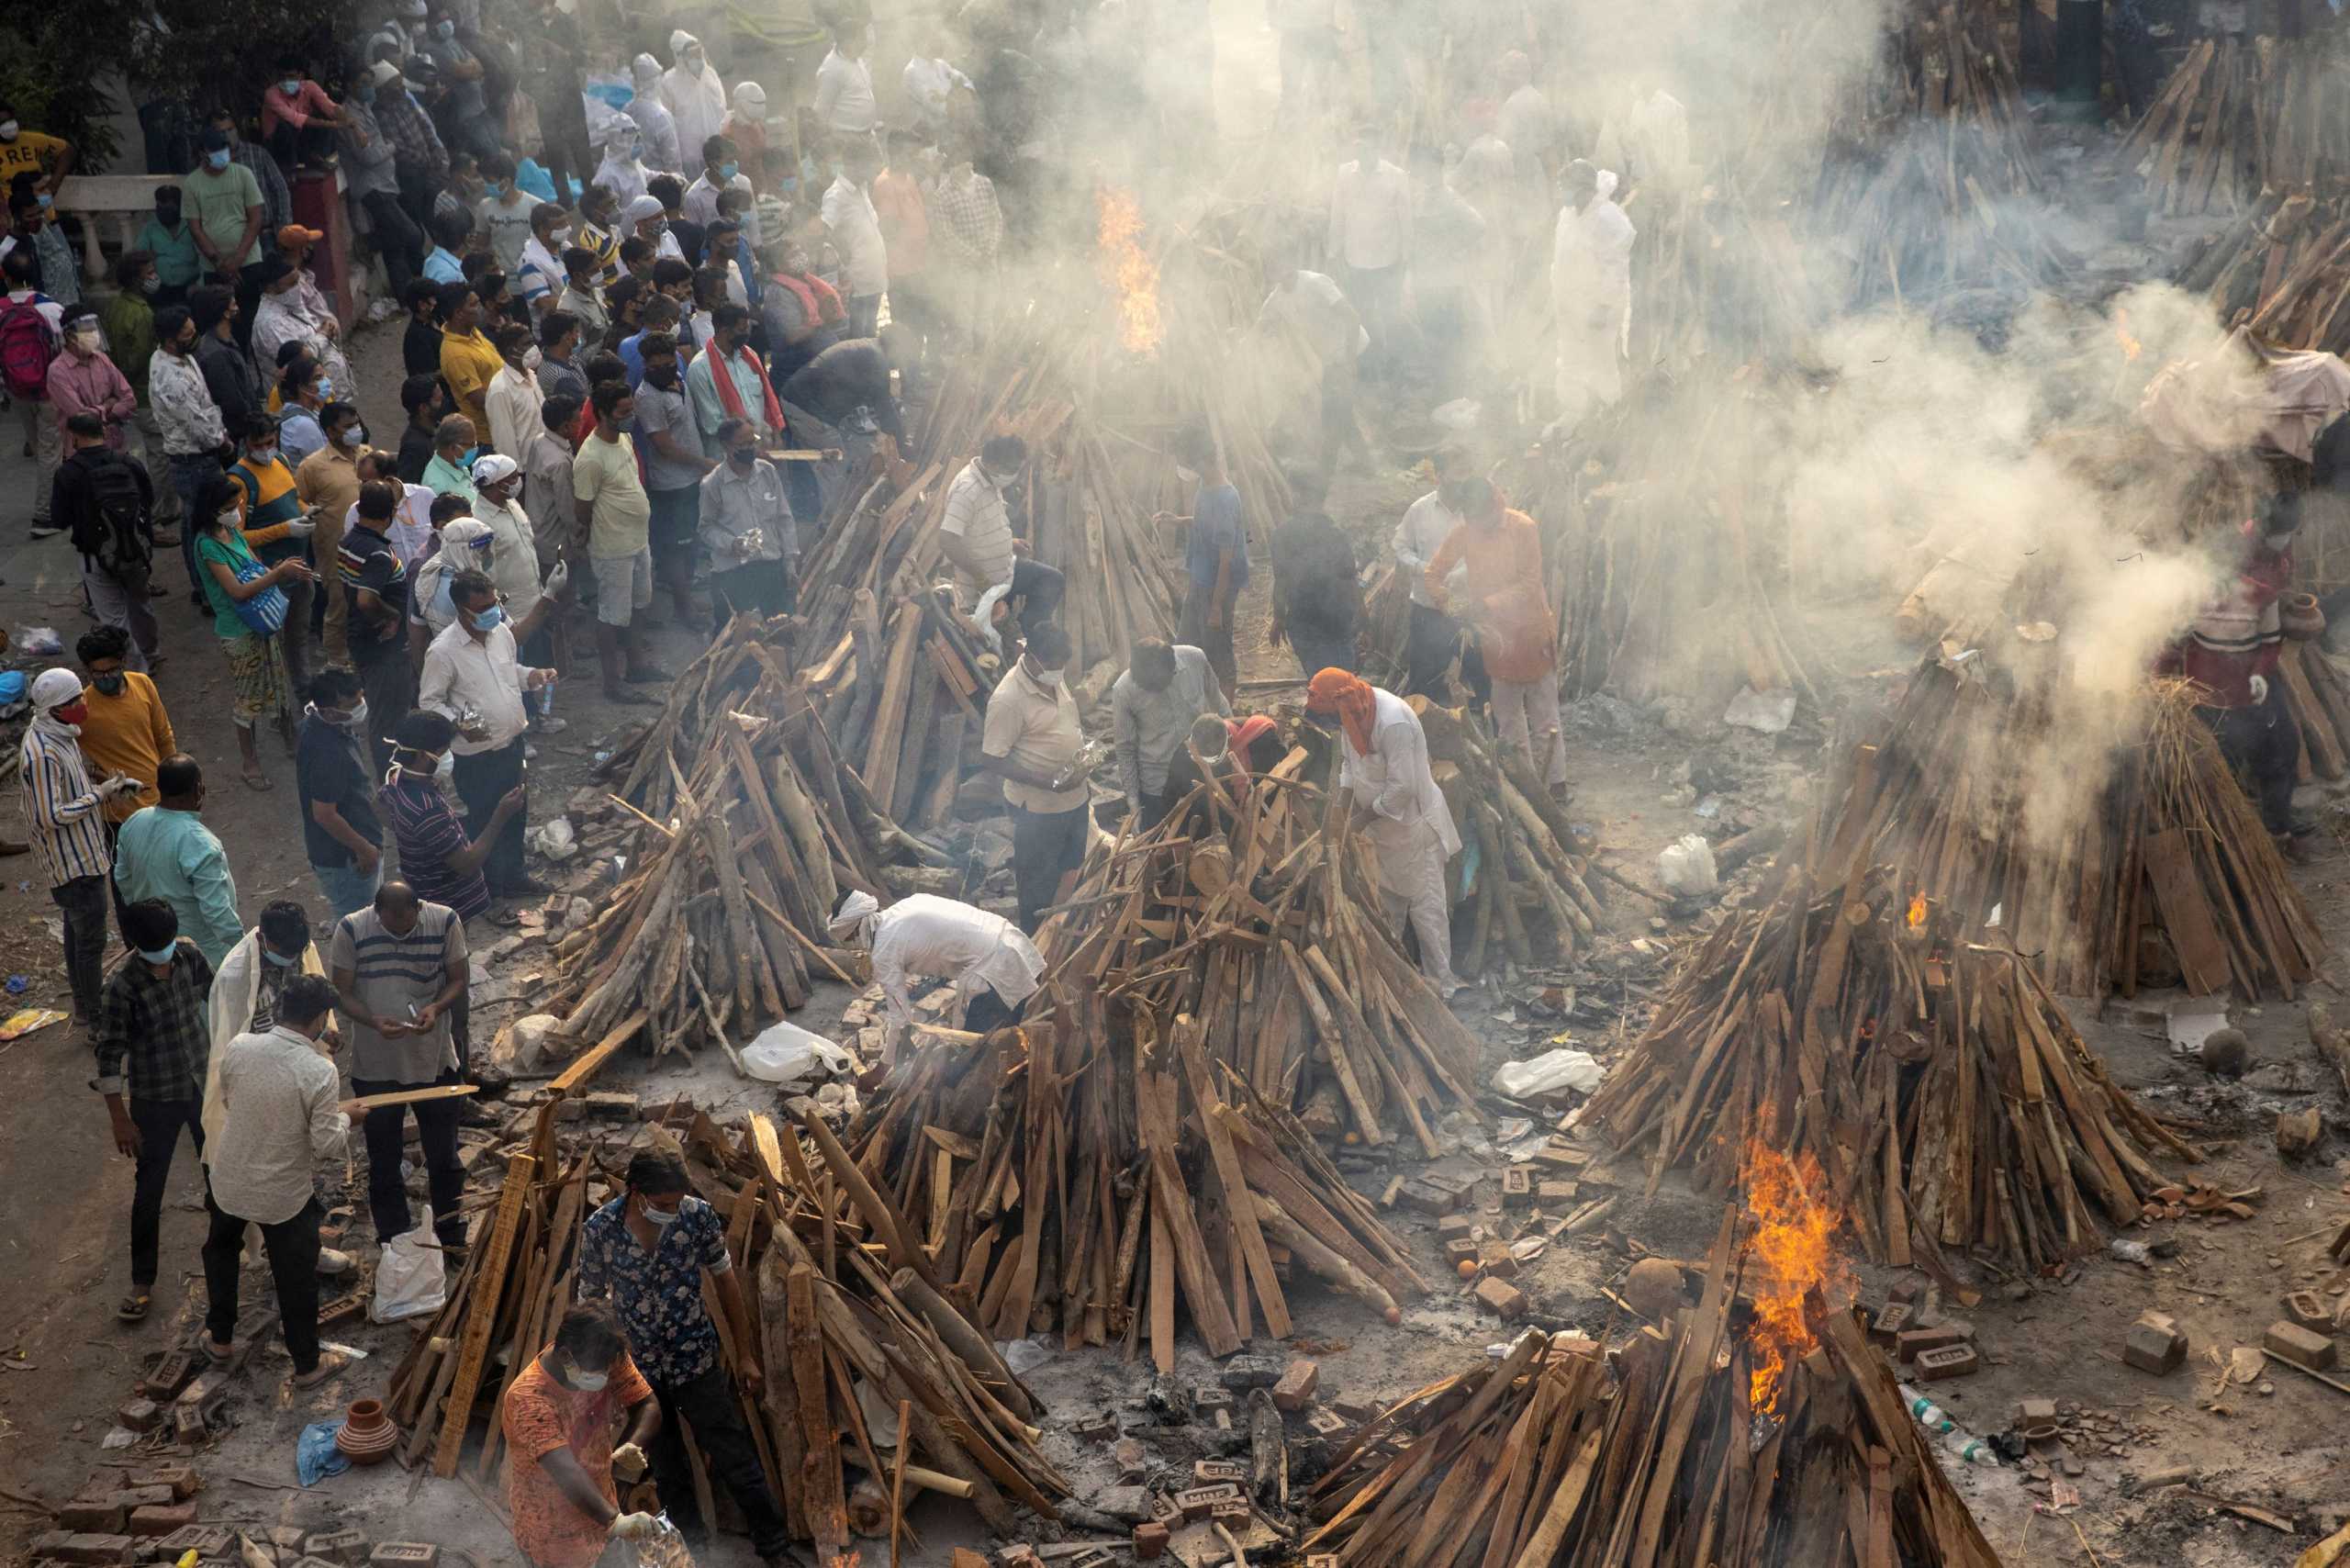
(790, 1054)
(1768, 712)
(555, 840)
(1686, 867)
(408, 1279)
(1553, 1072)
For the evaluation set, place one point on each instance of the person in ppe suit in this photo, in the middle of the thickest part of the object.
(1591, 293)
(1383, 765)
(652, 118)
(993, 967)
(692, 92)
(623, 172)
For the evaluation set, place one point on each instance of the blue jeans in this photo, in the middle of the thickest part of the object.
(348, 889)
(188, 473)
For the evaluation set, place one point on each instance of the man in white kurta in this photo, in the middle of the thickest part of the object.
(994, 968)
(1590, 292)
(1383, 765)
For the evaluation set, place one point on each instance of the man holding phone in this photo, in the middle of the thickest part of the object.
(399, 971)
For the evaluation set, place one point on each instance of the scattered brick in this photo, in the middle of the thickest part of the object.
(1244, 1372)
(1297, 1385)
(1101, 1428)
(205, 1540)
(162, 1519)
(1207, 1397)
(1518, 1185)
(1950, 1360)
(1150, 1540)
(81, 1547)
(140, 1414)
(1553, 1195)
(404, 1554)
(1501, 1299)
(1211, 1472)
(173, 1373)
(1201, 1501)
(1423, 1196)
(182, 1479)
(1906, 1291)
(1497, 1259)
(2300, 1346)
(1911, 1343)
(1164, 1510)
(2154, 1344)
(1454, 1226)
(1891, 1324)
(2307, 1309)
(93, 1515)
(1131, 1458)
(1324, 1423)
(345, 1546)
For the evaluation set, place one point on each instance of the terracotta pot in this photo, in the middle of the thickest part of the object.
(367, 1436)
(2300, 616)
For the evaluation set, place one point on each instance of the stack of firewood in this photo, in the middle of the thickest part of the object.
(2282, 270)
(1927, 1070)
(2242, 119)
(1656, 1453)
(850, 1319)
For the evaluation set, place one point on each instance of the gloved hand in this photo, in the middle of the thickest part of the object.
(2259, 690)
(300, 527)
(635, 1526)
(629, 1462)
(559, 579)
(121, 784)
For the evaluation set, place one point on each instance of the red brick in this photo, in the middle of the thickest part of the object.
(1214, 1471)
(101, 1550)
(345, 1546)
(2299, 1345)
(1297, 1385)
(205, 1540)
(1150, 1541)
(2154, 1344)
(101, 1516)
(1948, 1361)
(404, 1554)
(1914, 1342)
(2307, 1309)
(162, 1519)
(182, 1479)
(139, 1415)
(1201, 1501)
(1501, 1298)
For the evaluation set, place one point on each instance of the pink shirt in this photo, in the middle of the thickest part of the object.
(91, 387)
(297, 110)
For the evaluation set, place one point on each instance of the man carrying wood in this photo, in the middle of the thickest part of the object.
(278, 1118)
(1384, 765)
(994, 968)
(1506, 608)
(1152, 706)
(558, 1420)
(647, 1251)
(1032, 741)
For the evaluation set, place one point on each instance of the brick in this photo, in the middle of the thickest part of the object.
(1244, 1372)
(1131, 1458)
(93, 1515)
(139, 1415)
(2307, 1309)
(2033, 1413)
(205, 1540)
(182, 1479)
(1560, 1162)
(1324, 1423)
(1423, 1196)
(1353, 1409)
(1213, 1472)
(162, 1519)
(1890, 1324)
(1949, 1360)
(1322, 1560)
(345, 1546)
(1453, 1227)
(1553, 1195)
(2154, 1345)
(173, 1373)
(1297, 1385)
(1459, 1250)
(287, 1538)
(1207, 1397)
(1164, 1510)
(404, 1554)
(1495, 1258)
(1199, 1502)
(1233, 1516)
(1911, 1343)
(187, 1426)
(1501, 1299)
(1100, 1428)
(1905, 1292)
(1150, 1541)
(2302, 1347)
(1518, 1185)
(612, 1105)
(307, 1561)
(141, 1497)
(83, 1547)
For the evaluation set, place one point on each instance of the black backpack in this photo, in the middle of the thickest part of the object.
(114, 532)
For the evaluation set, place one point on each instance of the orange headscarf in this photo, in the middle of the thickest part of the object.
(1351, 698)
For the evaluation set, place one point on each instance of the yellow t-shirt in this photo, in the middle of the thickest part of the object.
(468, 363)
(32, 151)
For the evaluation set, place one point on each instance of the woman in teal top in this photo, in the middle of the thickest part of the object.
(232, 575)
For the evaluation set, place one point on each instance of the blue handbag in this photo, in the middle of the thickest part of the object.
(265, 612)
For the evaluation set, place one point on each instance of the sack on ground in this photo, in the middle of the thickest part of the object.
(409, 1282)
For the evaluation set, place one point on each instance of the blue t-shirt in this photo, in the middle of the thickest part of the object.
(443, 267)
(1215, 526)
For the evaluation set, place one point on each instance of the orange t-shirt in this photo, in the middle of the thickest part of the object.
(1516, 630)
(543, 1416)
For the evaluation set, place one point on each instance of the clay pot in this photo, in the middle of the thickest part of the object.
(367, 1436)
(2302, 617)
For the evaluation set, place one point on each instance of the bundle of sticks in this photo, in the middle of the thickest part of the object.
(2119, 860)
(1655, 1455)
(903, 697)
(2280, 270)
(749, 825)
(848, 1318)
(1931, 1073)
(2240, 120)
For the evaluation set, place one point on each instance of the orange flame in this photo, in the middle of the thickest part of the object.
(2131, 347)
(1127, 268)
(1789, 1257)
(1917, 912)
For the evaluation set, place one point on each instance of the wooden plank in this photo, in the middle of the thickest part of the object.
(2186, 915)
(1234, 1182)
(591, 1061)
(827, 1521)
(481, 1314)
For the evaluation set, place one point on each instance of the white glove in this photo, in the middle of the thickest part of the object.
(300, 527)
(2259, 689)
(558, 580)
(635, 1526)
(121, 784)
(628, 1461)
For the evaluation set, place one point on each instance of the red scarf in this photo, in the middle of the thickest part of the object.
(819, 298)
(733, 398)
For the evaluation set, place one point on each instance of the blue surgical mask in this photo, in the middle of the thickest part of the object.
(726, 173)
(444, 28)
(494, 188)
(472, 456)
(490, 620)
(289, 85)
(46, 200)
(277, 958)
(162, 955)
(326, 386)
(365, 92)
(217, 158)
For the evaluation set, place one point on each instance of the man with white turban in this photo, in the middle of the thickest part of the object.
(695, 96)
(653, 117)
(1591, 291)
(994, 968)
(622, 171)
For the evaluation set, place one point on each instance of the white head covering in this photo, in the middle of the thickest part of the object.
(646, 73)
(618, 127)
(460, 531)
(750, 100)
(853, 921)
(680, 41)
(491, 470)
(382, 70)
(641, 209)
(54, 688)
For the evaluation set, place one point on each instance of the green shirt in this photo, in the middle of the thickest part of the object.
(209, 549)
(177, 261)
(129, 323)
(172, 856)
(216, 201)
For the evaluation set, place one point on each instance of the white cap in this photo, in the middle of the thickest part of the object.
(54, 689)
(680, 39)
(848, 921)
(382, 72)
(491, 469)
(645, 69)
(750, 97)
(641, 207)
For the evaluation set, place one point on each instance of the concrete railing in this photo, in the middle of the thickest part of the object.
(110, 206)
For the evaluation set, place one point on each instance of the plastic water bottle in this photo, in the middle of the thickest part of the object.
(1956, 1440)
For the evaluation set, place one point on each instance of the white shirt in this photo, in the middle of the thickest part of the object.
(514, 561)
(624, 177)
(1370, 216)
(699, 105)
(856, 232)
(941, 939)
(486, 676)
(976, 514)
(280, 319)
(931, 84)
(514, 400)
(702, 203)
(1394, 782)
(844, 103)
(279, 1119)
(1317, 308)
(1591, 263)
(1426, 523)
(410, 528)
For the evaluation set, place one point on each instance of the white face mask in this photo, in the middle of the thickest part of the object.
(1050, 674)
(1188, 475)
(7, 130)
(2276, 541)
(559, 238)
(532, 358)
(587, 1382)
(659, 1218)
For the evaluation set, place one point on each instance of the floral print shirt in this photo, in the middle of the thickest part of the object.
(658, 1295)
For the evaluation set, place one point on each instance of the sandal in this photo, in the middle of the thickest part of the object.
(330, 1363)
(134, 1307)
(258, 781)
(215, 1352)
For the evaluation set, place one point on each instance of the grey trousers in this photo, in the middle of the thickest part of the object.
(116, 605)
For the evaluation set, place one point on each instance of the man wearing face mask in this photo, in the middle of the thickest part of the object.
(730, 383)
(460, 70)
(513, 567)
(647, 1251)
(670, 444)
(105, 500)
(622, 172)
(171, 241)
(692, 92)
(191, 431)
(976, 535)
(418, 808)
(540, 274)
(371, 163)
(336, 783)
(83, 380)
(475, 676)
(33, 151)
(298, 119)
(164, 851)
(504, 212)
(1032, 741)
(559, 1419)
(224, 202)
(722, 169)
(125, 731)
(651, 118)
(515, 397)
(291, 310)
(65, 819)
(747, 527)
(152, 1045)
(855, 228)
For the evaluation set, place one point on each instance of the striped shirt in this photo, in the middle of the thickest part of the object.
(392, 977)
(61, 808)
(427, 833)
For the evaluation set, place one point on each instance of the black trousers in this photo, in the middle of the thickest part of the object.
(1045, 845)
(2262, 745)
(82, 902)
(396, 238)
(709, 1404)
(755, 588)
(389, 681)
(159, 1122)
(436, 1120)
(291, 1247)
(292, 148)
(1434, 636)
(988, 1012)
(1039, 588)
(482, 781)
(1214, 641)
